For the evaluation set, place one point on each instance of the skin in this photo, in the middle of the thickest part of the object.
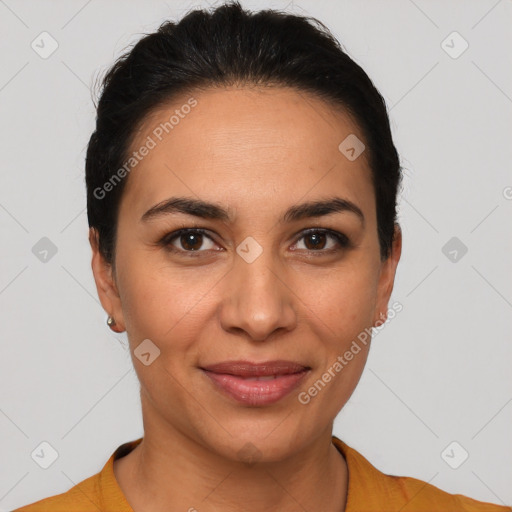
(256, 151)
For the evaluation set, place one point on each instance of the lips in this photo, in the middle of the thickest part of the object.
(256, 384)
(248, 369)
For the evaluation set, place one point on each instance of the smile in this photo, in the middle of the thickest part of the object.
(256, 384)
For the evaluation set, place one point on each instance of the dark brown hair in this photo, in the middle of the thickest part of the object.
(225, 46)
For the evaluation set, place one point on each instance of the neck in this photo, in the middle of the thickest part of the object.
(172, 471)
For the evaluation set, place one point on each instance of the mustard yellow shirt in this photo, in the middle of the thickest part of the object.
(369, 490)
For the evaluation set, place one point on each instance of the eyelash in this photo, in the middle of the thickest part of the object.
(340, 238)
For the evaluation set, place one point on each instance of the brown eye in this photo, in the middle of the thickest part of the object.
(315, 241)
(191, 241)
(321, 240)
(188, 240)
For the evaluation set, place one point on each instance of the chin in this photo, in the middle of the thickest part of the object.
(272, 440)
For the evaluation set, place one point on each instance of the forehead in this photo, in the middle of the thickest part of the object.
(257, 143)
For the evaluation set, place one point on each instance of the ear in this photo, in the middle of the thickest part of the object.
(387, 278)
(105, 283)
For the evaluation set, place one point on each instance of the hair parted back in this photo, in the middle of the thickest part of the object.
(223, 47)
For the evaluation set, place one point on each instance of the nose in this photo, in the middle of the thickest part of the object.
(257, 301)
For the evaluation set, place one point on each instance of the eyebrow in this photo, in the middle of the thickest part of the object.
(208, 210)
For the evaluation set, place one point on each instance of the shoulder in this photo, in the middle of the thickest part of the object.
(419, 496)
(83, 497)
(369, 488)
(98, 492)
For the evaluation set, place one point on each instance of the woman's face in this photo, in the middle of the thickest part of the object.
(253, 286)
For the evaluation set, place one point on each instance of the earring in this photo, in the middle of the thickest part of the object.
(111, 322)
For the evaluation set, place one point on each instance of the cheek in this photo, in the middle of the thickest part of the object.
(343, 307)
(165, 303)
(344, 299)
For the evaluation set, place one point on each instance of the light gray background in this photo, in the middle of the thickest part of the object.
(439, 372)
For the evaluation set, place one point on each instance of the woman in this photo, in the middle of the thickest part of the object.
(241, 194)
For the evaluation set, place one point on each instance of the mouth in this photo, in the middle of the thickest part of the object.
(256, 384)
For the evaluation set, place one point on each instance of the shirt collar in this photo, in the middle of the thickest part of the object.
(366, 484)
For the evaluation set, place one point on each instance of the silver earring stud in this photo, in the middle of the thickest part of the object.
(111, 321)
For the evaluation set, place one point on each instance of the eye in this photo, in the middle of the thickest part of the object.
(196, 240)
(188, 240)
(317, 240)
